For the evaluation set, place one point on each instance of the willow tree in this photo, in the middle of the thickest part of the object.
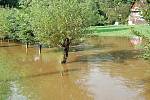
(56, 22)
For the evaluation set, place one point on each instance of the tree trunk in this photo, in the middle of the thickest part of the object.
(65, 57)
(65, 45)
(27, 46)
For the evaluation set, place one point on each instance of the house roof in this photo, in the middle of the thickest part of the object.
(137, 5)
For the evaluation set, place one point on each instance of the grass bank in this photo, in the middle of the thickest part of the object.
(121, 30)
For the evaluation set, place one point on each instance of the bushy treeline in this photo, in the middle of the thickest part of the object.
(112, 11)
(45, 22)
(50, 21)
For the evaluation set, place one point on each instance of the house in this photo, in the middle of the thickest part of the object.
(135, 17)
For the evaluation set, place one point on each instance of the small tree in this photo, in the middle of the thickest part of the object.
(19, 26)
(13, 24)
(4, 22)
(60, 21)
(25, 33)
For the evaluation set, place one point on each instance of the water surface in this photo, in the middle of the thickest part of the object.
(103, 68)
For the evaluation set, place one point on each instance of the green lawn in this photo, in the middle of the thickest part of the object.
(121, 30)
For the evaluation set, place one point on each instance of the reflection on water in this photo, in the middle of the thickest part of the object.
(136, 41)
(4, 90)
(103, 68)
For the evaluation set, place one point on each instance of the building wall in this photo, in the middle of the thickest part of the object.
(136, 17)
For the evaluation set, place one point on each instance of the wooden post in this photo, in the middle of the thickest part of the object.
(40, 49)
(27, 46)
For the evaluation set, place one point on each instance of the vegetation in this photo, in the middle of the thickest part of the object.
(122, 30)
(146, 12)
(38, 21)
(3, 22)
(112, 11)
(146, 37)
(9, 3)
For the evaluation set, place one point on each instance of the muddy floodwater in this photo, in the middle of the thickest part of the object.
(103, 68)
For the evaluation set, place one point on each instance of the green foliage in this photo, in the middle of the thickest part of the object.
(22, 23)
(97, 16)
(146, 13)
(146, 49)
(115, 10)
(16, 25)
(53, 21)
(47, 22)
(3, 21)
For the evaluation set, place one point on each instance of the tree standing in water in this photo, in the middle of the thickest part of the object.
(60, 20)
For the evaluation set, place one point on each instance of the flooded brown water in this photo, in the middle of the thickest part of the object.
(103, 68)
